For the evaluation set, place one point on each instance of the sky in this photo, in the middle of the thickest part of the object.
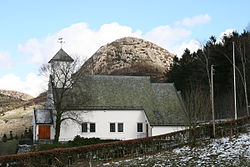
(29, 30)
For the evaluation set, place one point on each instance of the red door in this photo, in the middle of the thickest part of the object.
(44, 131)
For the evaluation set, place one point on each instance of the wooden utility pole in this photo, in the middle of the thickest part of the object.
(212, 98)
(235, 98)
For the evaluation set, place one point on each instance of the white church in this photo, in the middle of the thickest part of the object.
(111, 107)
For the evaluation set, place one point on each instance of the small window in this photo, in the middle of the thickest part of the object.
(92, 127)
(120, 127)
(112, 127)
(84, 127)
(139, 127)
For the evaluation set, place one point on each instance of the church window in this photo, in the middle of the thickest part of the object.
(85, 127)
(92, 127)
(139, 127)
(112, 127)
(120, 127)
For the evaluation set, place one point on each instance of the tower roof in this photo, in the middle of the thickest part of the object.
(61, 55)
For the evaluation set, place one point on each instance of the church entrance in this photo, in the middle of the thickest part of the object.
(44, 131)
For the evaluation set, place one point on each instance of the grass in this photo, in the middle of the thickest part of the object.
(16, 120)
(9, 147)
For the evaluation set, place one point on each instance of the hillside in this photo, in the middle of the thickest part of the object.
(224, 152)
(10, 100)
(16, 94)
(129, 56)
(16, 113)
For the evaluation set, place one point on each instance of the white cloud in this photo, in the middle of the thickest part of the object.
(166, 36)
(5, 60)
(80, 41)
(227, 32)
(189, 22)
(32, 84)
(192, 45)
(170, 39)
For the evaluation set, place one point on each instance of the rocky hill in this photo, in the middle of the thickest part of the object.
(16, 94)
(10, 100)
(129, 56)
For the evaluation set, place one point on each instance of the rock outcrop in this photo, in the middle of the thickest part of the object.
(129, 56)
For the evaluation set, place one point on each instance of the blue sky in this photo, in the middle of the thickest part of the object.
(29, 30)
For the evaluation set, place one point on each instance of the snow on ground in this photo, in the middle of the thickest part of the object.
(224, 152)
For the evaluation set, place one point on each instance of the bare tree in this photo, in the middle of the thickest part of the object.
(62, 76)
(242, 52)
(198, 105)
(242, 74)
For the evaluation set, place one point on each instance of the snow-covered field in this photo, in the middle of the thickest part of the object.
(224, 152)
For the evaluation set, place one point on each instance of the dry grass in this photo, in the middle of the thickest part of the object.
(16, 120)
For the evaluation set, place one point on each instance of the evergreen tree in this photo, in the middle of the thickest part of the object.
(193, 70)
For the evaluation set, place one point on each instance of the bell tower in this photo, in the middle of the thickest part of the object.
(61, 70)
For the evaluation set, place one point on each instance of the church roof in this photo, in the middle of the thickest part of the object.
(61, 55)
(160, 101)
(43, 116)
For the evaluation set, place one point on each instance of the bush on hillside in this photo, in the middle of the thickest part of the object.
(11, 135)
(81, 141)
(4, 138)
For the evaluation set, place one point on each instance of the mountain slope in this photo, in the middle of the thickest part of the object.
(16, 114)
(16, 94)
(10, 100)
(129, 56)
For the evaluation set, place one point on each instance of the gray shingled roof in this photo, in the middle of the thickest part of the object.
(159, 100)
(43, 116)
(61, 55)
(168, 105)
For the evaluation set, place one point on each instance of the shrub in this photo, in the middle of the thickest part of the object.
(81, 141)
(44, 147)
(11, 135)
(77, 141)
(4, 138)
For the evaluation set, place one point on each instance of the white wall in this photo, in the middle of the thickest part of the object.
(102, 119)
(35, 133)
(159, 130)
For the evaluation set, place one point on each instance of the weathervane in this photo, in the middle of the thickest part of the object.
(60, 40)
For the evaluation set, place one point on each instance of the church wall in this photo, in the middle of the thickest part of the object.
(159, 130)
(102, 120)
